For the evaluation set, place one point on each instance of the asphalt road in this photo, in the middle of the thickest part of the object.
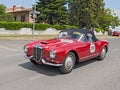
(17, 73)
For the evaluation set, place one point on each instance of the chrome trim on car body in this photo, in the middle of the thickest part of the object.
(81, 37)
(51, 64)
(38, 52)
(37, 46)
(26, 57)
(44, 62)
(94, 55)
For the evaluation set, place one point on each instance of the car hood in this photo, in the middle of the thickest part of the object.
(54, 43)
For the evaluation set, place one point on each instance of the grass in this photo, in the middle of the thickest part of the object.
(38, 37)
(106, 37)
(25, 37)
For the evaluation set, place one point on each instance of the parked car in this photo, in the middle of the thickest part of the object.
(70, 46)
(116, 33)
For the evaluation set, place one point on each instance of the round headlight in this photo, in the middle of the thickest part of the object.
(52, 54)
(25, 49)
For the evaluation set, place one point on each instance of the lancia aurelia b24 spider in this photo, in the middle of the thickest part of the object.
(70, 46)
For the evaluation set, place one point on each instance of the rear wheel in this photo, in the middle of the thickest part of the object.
(103, 54)
(33, 62)
(68, 63)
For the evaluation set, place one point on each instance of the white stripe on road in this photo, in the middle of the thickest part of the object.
(7, 48)
(115, 50)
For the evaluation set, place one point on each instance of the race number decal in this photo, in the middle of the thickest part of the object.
(92, 47)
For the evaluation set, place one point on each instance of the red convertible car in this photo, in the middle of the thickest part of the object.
(70, 46)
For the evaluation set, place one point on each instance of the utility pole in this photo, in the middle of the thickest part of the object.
(34, 12)
(33, 21)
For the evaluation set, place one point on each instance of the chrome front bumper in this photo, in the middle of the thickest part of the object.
(44, 62)
(26, 57)
(51, 64)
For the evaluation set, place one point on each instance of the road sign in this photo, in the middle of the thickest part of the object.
(34, 12)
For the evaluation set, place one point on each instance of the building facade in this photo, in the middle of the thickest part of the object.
(21, 13)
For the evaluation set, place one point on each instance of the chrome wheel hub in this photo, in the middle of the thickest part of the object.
(69, 63)
(103, 53)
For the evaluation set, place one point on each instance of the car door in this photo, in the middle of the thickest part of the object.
(94, 46)
(84, 49)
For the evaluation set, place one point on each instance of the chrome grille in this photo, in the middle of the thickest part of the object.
(37, 53)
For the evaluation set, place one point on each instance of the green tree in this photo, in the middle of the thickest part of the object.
(91, 13)
(2, 12)
(85, 12)
(52, 11)
(108, 19)
(5, 16)
(9, 17)
(2, 9)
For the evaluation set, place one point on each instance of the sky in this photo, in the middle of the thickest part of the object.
(112, 4)
(25, 3)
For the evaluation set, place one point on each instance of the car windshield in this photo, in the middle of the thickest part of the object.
(71, 35)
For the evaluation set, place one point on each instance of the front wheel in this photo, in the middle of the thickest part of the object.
(103, 54)
(68, 63)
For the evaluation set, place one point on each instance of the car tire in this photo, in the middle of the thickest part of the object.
(33, 62)
(68, 63)
(103, 54)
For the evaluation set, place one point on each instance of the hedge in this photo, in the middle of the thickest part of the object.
(99, 30)
(38, 26)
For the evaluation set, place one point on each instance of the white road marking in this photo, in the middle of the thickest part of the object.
(115, 50)
(7, 48)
